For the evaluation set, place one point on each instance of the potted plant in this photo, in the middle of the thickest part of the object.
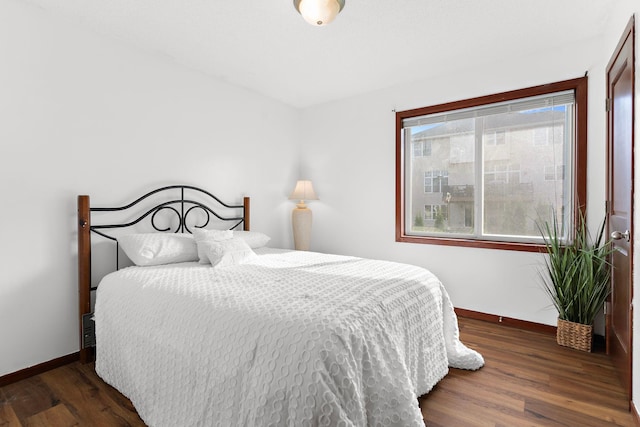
(577, 279)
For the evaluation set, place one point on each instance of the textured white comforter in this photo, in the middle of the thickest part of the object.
(291, 339)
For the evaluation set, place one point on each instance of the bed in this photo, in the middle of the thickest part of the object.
(281, 338)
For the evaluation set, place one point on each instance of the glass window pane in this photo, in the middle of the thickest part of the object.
(526, 168)
(443, 179)
(491, 169)
(521, 172)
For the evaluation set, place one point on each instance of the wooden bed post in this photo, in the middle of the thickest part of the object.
(247, 214)
(84, 270)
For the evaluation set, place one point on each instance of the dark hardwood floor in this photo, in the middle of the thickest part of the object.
(528, 380)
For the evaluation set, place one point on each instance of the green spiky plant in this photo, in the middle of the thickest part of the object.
(577, 275)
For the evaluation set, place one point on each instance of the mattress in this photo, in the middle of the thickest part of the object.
(289, 339)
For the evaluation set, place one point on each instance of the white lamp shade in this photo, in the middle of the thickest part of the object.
(303, 191)
(319, 12)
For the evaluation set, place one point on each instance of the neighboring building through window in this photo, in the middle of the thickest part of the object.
(494, 167)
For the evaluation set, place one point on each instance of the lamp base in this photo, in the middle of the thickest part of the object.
(301, 221)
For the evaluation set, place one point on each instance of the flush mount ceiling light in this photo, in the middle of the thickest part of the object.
(319, 12)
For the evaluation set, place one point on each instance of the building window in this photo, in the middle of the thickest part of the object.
(429, 212)
(502, 172)
(421, 148)
(433, 212)
(500, 160)
(435, 181)
(494, 138)
(435, 217)
(426, 148)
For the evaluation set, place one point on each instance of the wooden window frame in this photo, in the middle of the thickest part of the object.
(579, 190)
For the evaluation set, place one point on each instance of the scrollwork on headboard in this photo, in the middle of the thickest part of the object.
(181, 207)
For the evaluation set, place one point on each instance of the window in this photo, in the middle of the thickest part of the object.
(421, 148)
(435, 218)
(494, 138)
(502, 173)
(435, 181)
(435, 212)
(426, 148)
(430, 212)
(503, 164)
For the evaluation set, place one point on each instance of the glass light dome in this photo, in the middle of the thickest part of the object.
(319, 12)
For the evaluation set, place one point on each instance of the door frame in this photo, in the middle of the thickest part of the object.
(628, 33)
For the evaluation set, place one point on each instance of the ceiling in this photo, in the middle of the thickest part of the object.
(266, 46)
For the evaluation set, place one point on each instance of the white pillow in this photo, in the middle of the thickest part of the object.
(201, 236)
(225, 253)
(158, 248)
(255, 239)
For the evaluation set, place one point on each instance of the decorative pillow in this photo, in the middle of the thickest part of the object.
(255, 239)
(201, 236)
(225, 253)
(158, 248)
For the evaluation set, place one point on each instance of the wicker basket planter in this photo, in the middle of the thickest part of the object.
(574, 335)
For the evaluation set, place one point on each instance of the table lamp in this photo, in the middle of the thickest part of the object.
(301, 215)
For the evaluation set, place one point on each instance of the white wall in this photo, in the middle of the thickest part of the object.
(84, 114)
(349, 153)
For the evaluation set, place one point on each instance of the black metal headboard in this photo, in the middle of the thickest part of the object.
(181, 207)
(190, 199)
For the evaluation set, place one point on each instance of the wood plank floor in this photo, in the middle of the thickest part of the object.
(528, 380)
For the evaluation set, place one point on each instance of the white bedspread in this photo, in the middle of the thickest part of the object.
(292, 339)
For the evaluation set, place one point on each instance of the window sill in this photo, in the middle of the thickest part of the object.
(472, 243)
